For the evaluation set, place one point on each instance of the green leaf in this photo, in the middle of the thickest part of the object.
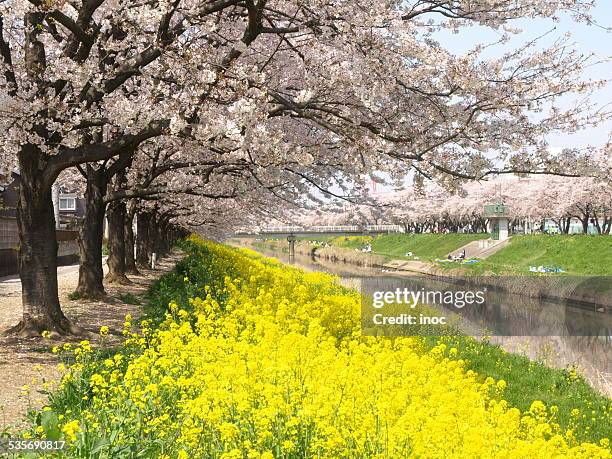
(99, 444)
(50, 424)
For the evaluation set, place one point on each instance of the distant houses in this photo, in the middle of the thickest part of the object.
(71, 206)
(71, 210)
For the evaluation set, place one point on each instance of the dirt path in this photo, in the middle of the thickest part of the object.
(29, 362)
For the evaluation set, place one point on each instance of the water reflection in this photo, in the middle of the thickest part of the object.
(495, 312)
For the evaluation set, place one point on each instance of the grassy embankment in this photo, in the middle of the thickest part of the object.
(424, 246)
(530, 380)
(391, 246)
(575, 254)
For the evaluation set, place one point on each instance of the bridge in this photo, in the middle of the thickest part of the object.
(330, 230)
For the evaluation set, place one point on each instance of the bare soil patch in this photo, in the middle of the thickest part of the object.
(29, 362)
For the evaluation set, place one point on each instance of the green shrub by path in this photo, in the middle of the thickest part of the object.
(575, 254)
(130, 298)
(351, 242)
(244, 292)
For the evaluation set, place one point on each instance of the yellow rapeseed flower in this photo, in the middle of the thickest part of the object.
(71, 429)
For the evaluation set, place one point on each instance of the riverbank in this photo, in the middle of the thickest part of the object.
(525, 315)
(571, 254)
(590, 291)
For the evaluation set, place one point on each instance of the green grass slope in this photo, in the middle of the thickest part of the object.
(575, 254)
(530, 380)
(425, 246)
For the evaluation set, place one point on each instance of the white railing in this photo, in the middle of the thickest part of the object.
(282, 229)
(385, 228)
(332, 229)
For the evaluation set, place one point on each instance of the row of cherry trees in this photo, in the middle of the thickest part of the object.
(531, 201)
(192, 113)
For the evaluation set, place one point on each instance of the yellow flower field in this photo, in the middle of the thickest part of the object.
(270, 362)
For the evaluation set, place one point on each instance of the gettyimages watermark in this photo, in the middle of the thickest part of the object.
(410, 299)
(484, 306)
(456, 298)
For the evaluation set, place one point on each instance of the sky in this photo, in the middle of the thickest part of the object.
(587, 39)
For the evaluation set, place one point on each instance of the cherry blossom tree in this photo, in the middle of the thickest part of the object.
(530, 199)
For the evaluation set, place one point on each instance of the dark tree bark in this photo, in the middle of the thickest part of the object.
(143, 241)
(585, 224)
(91, 275)
(37, 251)
(564, 224)
(164, 237)
(597, 224)
(585, 216)
(116, 243)
(130, 260)
(154, 236)
(607, 225)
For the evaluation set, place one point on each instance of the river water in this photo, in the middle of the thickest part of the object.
(524, 325)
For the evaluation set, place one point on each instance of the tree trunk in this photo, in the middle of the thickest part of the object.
(130, 261)
(564, 224)
(607, 226)
(585, 224)
(116, 244)
(142, 239)
(91, 234)
(154, 245)
(37, 252)
(596, 223)
(164, 236)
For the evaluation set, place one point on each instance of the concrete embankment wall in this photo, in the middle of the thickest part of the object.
(67, 253)
(338, 254)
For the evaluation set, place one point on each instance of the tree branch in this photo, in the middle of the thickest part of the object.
(68, 157)
(5, 52)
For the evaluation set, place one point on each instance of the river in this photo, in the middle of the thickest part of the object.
(542, 330)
